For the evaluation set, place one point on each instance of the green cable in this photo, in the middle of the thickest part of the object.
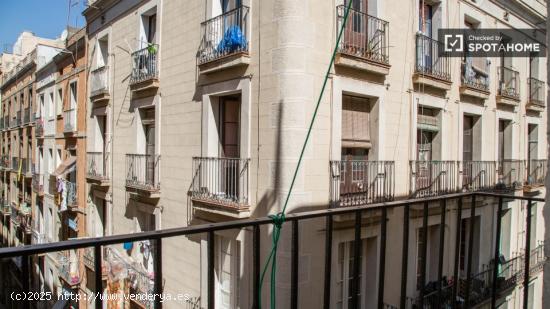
(279, 219)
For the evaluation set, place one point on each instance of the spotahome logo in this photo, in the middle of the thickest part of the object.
(491, 43)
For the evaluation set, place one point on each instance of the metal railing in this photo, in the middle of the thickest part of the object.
(143, 171)
(478, 175)
(475, 73)
(38, 183)
(224, 35)
(69, 271)
(508, 82)
(145, 64)
(381, 216)
(18, 118)
(431, 178)
(536, 91)
(221, 180)
(5, 161)
(364, 36)
(99, 81)
(15, 163)
(39, 129)
(511, 174)
(69, 119)
(72, 196)
(357, 182)
(428, 61)
(536, 171)
(26, 115)
(97, 165)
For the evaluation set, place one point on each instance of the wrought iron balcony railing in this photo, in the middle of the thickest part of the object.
(478, 175)
(475, 73)
(511, 174)
(428, 61)
(27, 115)
(97, 165)
(224, 35)
(39, 130)
(69, 119)
(99, 81)
(38, 183)
(508, 82)
(364, 36)
(68, 262)
(357, 182)
(537, 92)
(145, 64)
(143, 171)
(536, 171)
(221, 180)
(413, 215)
(431, 178)
(5, 161)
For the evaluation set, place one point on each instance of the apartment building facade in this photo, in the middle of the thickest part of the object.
(192, 113)
(208, 103)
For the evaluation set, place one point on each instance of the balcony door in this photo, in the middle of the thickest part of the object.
(467, 149)
(355, 31)
(150, 153)
(229, 132)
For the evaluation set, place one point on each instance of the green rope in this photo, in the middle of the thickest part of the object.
(279, 218)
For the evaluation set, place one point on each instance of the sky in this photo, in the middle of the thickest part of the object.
(46, 18)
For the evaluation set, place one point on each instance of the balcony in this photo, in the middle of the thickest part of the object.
(15, 164)
(143, 174)
(89, 261)
(475, 77)
(5, 162)
(431, 69)
(144, 77)
(97, 170)
(68, 267)
(26, 167)
(71, 199)
(38, 237)
(433, 178)
(356, 182)
(38, 184)
(39, 130)
(508, 86)
(69, 119)
(220, 185)
(26, 116)
(365, 42)
(369, 219)
(511, 174)
(25, 215)
(224, 42)
(537, 94)
(536, 172)
(18, 118)
(99, 85)
(478, 175)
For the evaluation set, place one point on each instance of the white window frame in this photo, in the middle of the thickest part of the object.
(234, 271)
(344, 273)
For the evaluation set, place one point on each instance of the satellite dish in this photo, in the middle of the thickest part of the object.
(64, 35)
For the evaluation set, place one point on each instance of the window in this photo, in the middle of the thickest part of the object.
(51, 104)
(355, 124)
(146, 221)
(59, 105)
(533, 235)
(227, 272)
(531, 293)
(532, 149)
(73, 95)
(41, 111)
(50, 161)
(230, 127)
(425, 17)
(58, 158)
(419, 261)
(366, 295)
(467, 142)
